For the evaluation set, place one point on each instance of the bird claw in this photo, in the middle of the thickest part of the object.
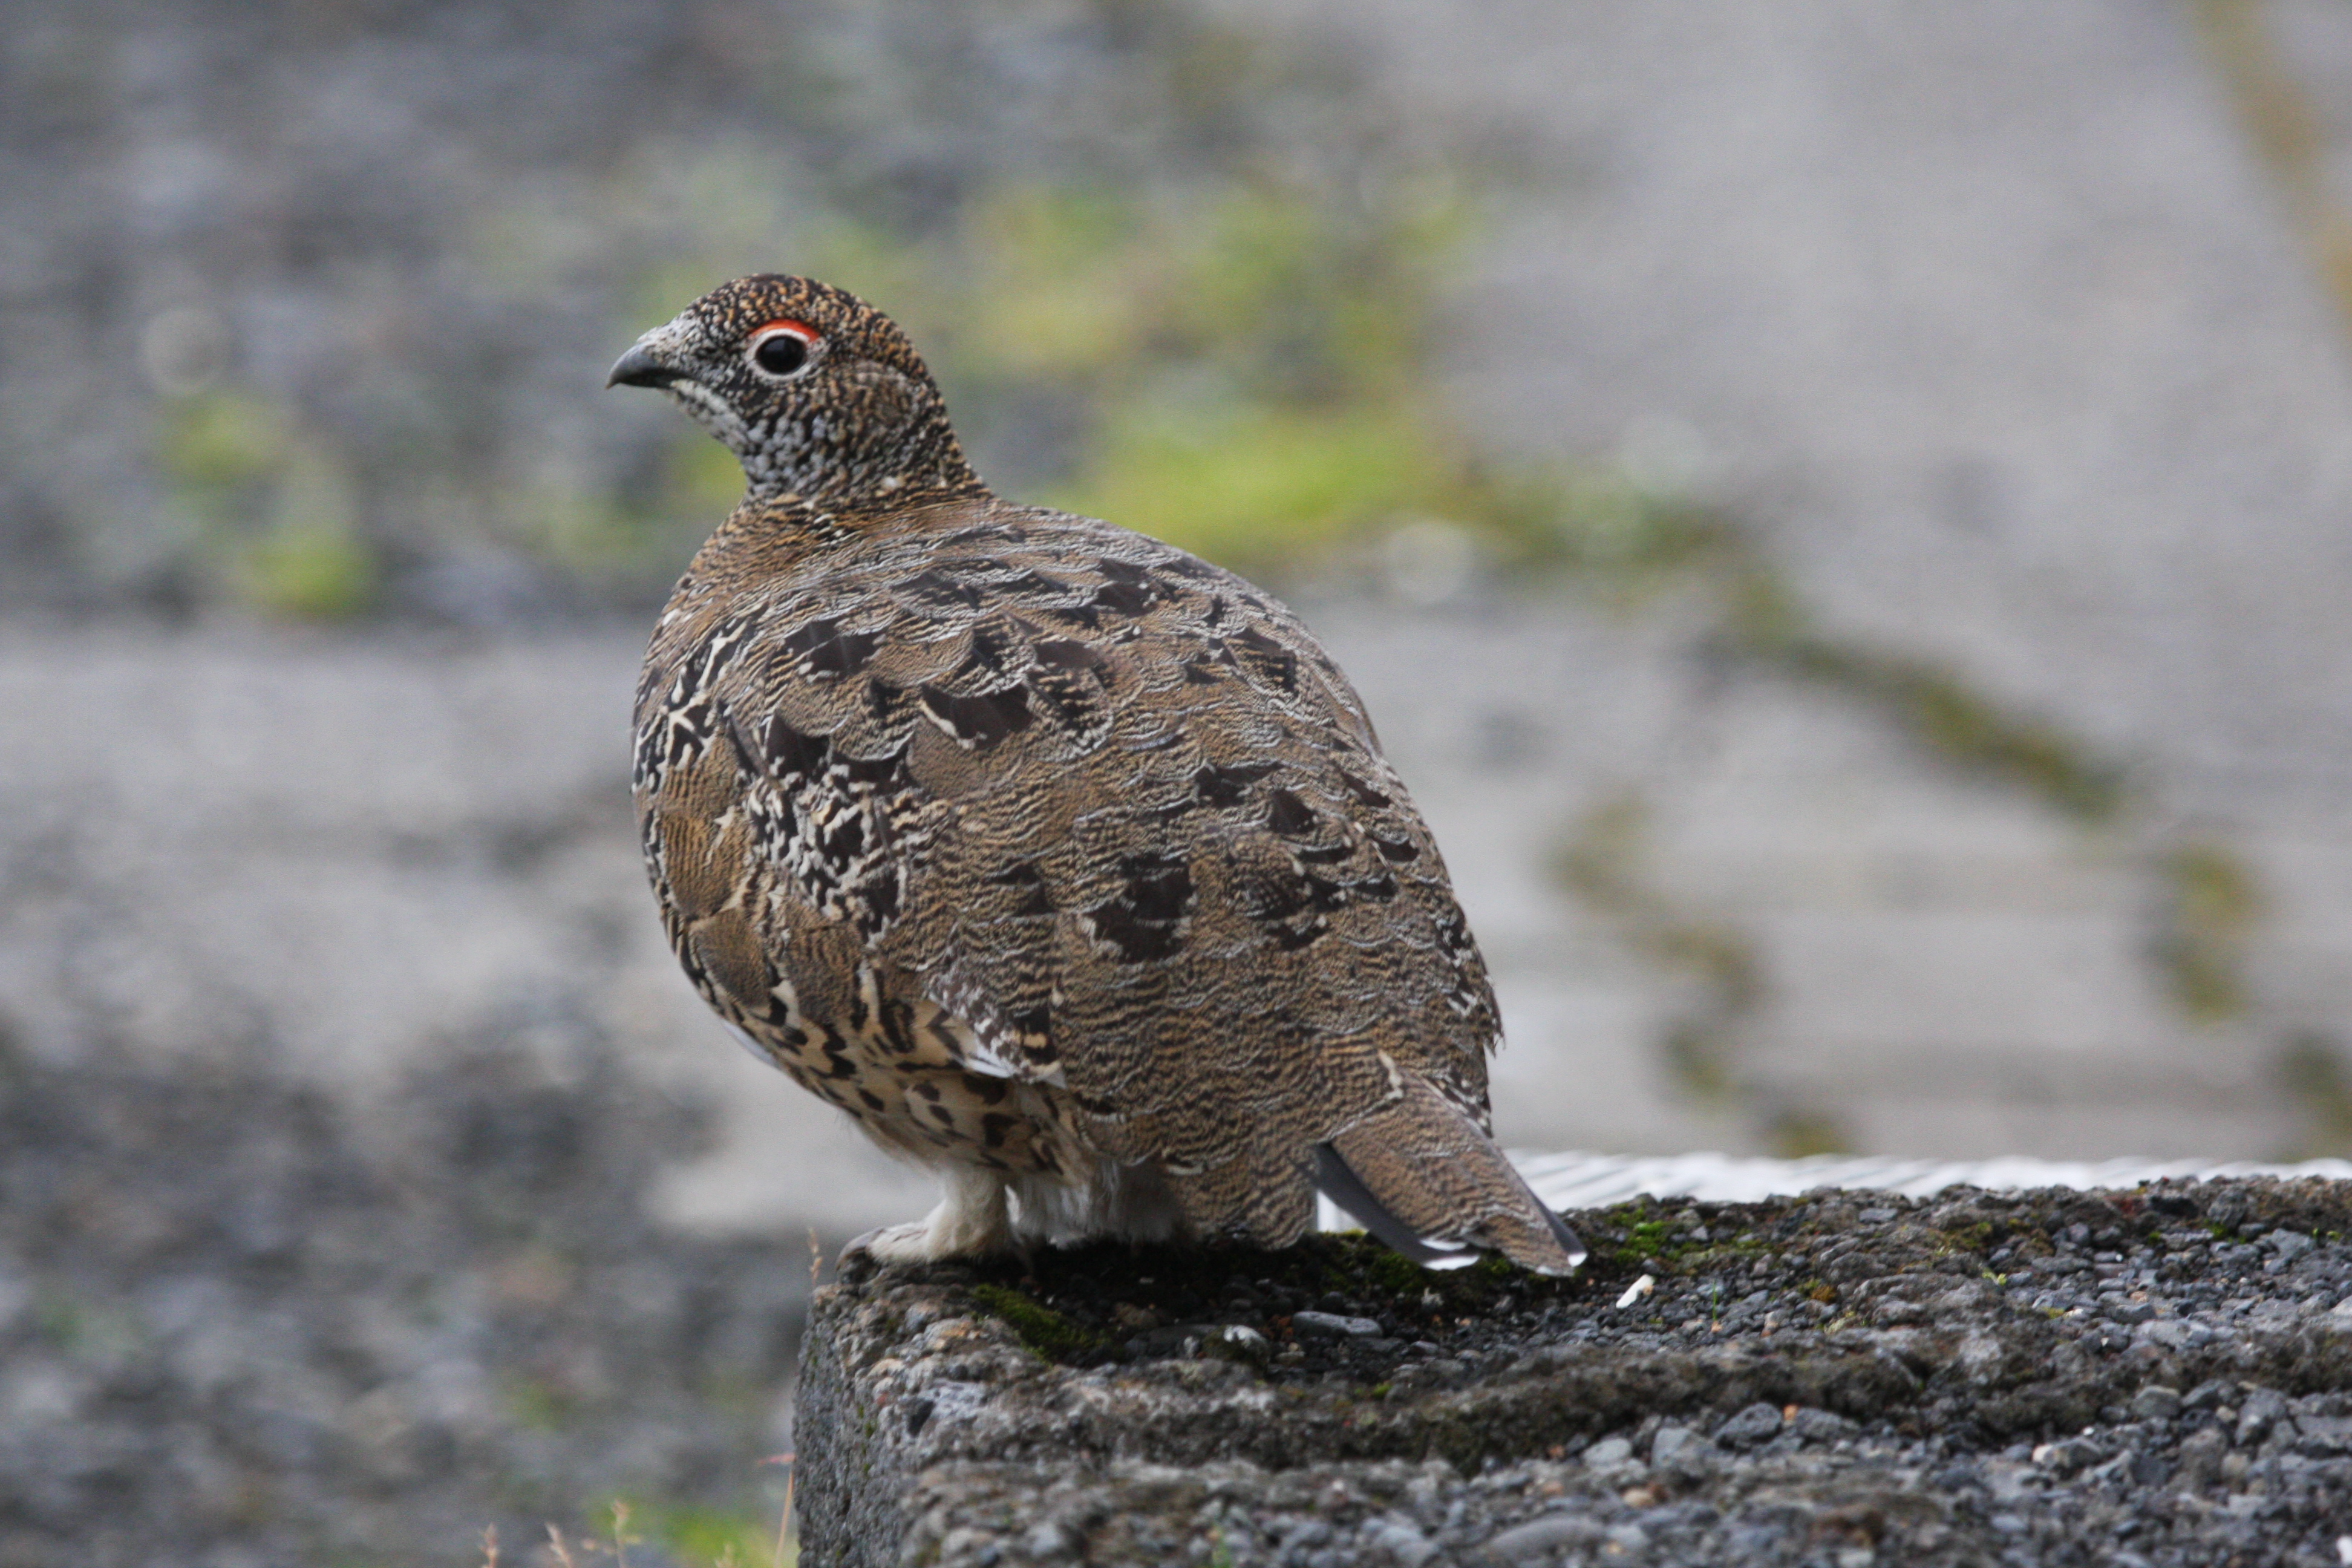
(914, 1242)
(858, 1259)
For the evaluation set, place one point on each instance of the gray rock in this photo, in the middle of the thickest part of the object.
(2323, 1435)
(1399, 1540)
(1608, 1453)
(2200, 1460)
(1819, 1426)
(2072, 1455)
(1332, 1325)
(1675, 1446)
(1050, 1540)
(2213, 1392)
(2155, 1403)
(1541, 1535)
(2290, 1245)
(1757, 1425)
(2257, 1413)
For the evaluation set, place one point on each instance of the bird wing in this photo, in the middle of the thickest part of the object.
(1116, 810)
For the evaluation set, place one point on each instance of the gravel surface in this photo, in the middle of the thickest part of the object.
(239, 1326)
(2157, 1377)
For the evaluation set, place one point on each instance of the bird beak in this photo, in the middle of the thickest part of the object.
(652, 360)
(639, 367)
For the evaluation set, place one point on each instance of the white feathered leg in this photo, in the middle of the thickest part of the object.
(972, 1221)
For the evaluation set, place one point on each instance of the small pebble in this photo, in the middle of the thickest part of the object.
(1607, 1452)
(1675, 1444)
(1758, 1424)
(1540, 1536)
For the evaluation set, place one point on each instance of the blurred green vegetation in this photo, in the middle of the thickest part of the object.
(1764, 623)
(1248, 368)
(1249, 371)
(2311, 1070)
(275, 510)
(1803, 1134)
(1253, 373)
(2213, 904)
(697, 1536)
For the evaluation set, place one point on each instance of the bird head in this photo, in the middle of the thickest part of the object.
(820, 395)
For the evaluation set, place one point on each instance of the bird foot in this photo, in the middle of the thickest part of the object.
(970, 1222)
(888, 1243)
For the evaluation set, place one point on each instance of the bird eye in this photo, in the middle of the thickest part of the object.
(782, 349)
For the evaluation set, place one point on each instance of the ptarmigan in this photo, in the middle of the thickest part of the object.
(1063, 861)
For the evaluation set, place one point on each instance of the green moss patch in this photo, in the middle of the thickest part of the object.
(1041, 1329)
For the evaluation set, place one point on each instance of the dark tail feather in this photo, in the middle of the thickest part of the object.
(1420, 1175)
(1339, 1183)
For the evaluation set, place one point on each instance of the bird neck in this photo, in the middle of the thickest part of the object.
(777, 522)
(799, 467)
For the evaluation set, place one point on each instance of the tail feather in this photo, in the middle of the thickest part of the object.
(1339, 1183)
(1421, 1176)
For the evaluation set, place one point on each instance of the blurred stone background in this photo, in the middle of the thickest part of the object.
(1839, 510)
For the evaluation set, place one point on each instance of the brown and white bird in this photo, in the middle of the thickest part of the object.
(1062, 861)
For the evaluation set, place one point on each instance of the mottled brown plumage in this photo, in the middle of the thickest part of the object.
(1057, 858)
